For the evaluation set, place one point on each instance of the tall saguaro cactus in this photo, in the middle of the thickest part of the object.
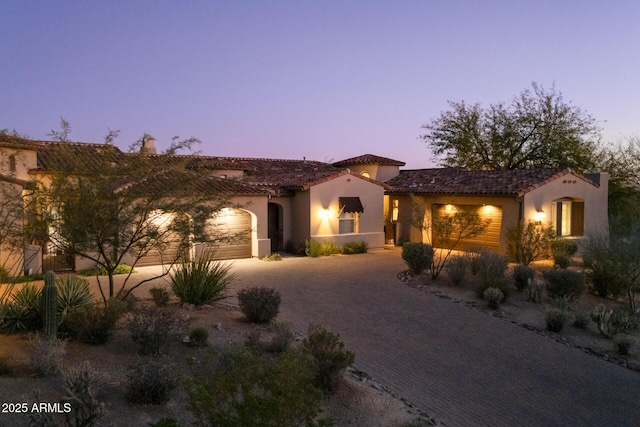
(49, 308)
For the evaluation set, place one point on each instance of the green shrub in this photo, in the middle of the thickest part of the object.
(492, 267)
(201, 281)
(522, 274)
(99, 270)
(93, 324)
(562, 250)
(494, 297)
(199, 336)
(418, 256)
(456, 268)
(46, 355)
(73, 293)
(154, 329)
(238, 388)
(564, 283)
(151, 381)
(273, 257)
(315, 248)
(351, 248)
(623, 344)
(253, 341)
(282, 336)
(528, 241)
(160, 296)
(329, 356)
(555, 318)
(581, 320)
(259, 304)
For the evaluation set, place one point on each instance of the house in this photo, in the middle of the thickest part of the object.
(272, 203)
(279, 203)
(573, 204)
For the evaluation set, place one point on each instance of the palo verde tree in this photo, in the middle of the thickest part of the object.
(538, 129)
(114, 207)
(445, 230)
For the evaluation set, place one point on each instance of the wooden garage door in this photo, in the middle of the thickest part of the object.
(233, 227)
(490, 237)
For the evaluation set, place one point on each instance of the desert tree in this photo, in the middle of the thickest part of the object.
(446, 230)
(115, 207)
(537, 129)
(529, 241)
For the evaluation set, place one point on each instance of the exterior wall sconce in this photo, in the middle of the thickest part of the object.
(325, 213)
(539, 216)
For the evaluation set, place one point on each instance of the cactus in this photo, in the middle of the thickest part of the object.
(49, 308)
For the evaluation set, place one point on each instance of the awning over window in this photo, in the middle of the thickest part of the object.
(351, 204)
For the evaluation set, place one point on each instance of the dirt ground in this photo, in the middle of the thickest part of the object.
(358, 402)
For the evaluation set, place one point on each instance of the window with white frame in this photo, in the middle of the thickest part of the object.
(350, 208)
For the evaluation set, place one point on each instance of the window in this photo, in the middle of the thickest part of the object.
(347, 223)
(365, 174)
(394, 212)
(567, 217)
(350, 208)
(12, 163)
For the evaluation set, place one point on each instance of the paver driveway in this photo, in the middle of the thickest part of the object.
(458, 364)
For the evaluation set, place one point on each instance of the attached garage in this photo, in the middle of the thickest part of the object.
(233, 228)
(488, 238)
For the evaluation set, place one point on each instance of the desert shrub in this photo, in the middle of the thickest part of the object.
(522, 274)
(602, 273)
(253, 341)
(564, 283)
(315, 248)
(611, 322)
(494, 297)
(201, 281)
(199, 336)
(72, 293)
(93, 324)
(47, 355)
(154, 329)
(351, 248)
(259, 304)
(555, 318)
(329, 356)
(81, 384)
(580, 320)
(623, 344)
(418, 256)
(456, 268)
(562, 250)
(23, 314)
(273, 257)
(160, 296)
(534, 291)
(563, 303)
(238, 388)
(99, 270)
(151, 381)
(282, 336)
(528, 241)
(18, 318)
(491, 269)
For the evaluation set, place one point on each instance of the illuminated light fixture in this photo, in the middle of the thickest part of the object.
(325, 213)
(539, 215)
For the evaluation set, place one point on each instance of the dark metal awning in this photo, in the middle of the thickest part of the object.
(351, 204)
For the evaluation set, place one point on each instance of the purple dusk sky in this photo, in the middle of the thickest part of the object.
(325, 80)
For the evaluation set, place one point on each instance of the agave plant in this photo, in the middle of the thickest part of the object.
(73, 293)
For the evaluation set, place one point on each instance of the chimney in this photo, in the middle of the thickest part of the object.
(148, 145)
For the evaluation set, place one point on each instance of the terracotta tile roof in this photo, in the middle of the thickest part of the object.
(368, 159)
(515, 182)
(54, 156)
